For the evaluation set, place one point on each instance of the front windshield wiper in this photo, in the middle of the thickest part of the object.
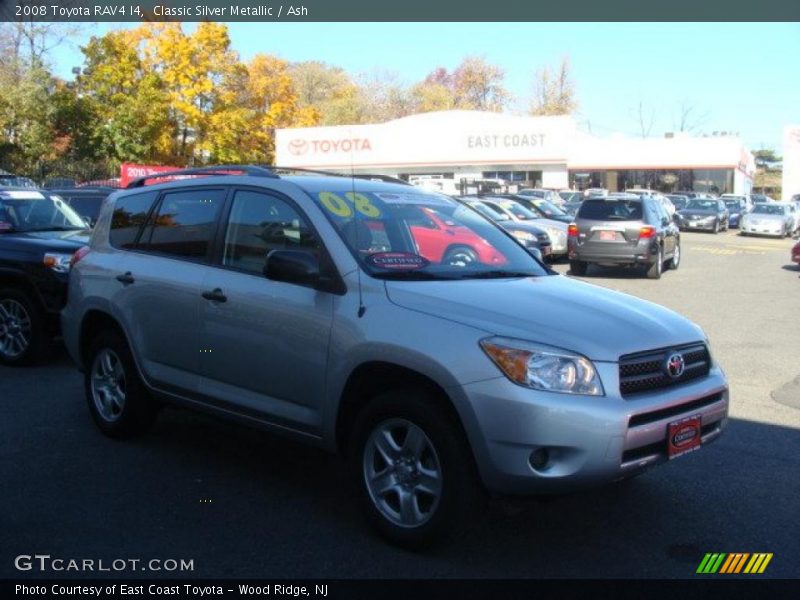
(410, 275)
(496, 274)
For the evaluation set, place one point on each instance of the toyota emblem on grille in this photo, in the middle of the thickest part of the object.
(674, 365)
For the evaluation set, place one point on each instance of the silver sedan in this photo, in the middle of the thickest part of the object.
(769, 218)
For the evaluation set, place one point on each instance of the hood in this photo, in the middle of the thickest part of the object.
(46, 241)
(763, 217)
(599, 323)
(522, 226)
(699, 212)
(560, 225)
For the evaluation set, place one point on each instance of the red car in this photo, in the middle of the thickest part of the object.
(439, 239)
(442, 240)
(796, 253)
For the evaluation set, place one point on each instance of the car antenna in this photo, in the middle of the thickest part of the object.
(361, 308)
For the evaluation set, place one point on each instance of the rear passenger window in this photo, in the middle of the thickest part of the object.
(184, 224)
(260, 223)
(129, 215)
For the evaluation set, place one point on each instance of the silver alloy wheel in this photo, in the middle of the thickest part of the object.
(15, 328)
(108, 385)
(402, 473)
(676, 256)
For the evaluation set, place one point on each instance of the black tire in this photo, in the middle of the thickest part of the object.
(578, 267)
(138, 410)
(716, 227)
(655, 269)
(461, 256)
(24, 339)
(460, 493)
(675, 261)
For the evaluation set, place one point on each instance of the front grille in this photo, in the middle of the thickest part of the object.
(646, 371)
(665, 413)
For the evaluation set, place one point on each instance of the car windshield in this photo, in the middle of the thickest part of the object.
(35, 211)
(417, 235)
(489, 211)
(611, 210)
(733, 204)
(698, 204)
(679, 201)
(768, 209)
(547, 208)
(519, 211)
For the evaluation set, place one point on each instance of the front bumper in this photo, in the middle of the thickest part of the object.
(588, 440)
(696, 225)
(762, 229)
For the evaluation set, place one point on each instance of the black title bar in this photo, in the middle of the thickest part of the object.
(407, 10)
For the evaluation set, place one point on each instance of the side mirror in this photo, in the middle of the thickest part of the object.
(292, 266)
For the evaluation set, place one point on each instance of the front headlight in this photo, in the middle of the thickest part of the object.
(543, 367)
(524, 236)
(57, 262)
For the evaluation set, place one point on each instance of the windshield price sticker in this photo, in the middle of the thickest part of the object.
(342, 205)
(397, 260)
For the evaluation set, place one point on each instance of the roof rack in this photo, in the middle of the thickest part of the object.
(219, 170)
(257, 171)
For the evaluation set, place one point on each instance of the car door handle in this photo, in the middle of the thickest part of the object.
(215, 295)
(126, 278)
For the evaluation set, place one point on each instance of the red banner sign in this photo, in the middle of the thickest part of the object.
(131, 171)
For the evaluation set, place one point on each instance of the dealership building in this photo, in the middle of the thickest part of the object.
(548, 152)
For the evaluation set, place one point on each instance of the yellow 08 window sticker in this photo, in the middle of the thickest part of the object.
(341, 207)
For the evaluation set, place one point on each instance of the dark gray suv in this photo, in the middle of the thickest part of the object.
(623, 230)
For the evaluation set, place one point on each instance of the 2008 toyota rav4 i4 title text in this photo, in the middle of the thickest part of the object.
(338, 310)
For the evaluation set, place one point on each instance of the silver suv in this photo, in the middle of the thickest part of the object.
(347, 313)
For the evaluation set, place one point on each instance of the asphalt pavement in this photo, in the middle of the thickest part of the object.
(241, 503)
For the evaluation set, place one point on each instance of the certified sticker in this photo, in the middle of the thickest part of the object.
(397, 260)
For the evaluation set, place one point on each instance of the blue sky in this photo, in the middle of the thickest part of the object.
(743, 75)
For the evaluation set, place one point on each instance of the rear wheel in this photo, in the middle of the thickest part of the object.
(119, 403)
(460, 256)
(413, 469)
(23, 339)
(654, 272)
(578, 267)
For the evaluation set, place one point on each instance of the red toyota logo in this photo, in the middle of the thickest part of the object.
(298, 147)
(675, 365)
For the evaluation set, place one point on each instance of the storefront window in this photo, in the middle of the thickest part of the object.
(717, 181)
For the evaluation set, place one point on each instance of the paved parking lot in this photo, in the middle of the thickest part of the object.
(242, 503)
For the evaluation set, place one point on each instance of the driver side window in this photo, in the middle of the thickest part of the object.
(260, 223)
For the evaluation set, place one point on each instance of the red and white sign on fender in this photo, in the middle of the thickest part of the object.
(131, 171)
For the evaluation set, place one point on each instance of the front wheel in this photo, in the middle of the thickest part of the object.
(119, 403)
(23, 339)
(413, 469)
(716, 227)
(675, 261)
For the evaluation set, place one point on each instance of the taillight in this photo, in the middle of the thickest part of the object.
(78, 256)
(647, 232)
(572, 230)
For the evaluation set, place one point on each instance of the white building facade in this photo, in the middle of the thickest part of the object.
(790, 184)
(545, 152)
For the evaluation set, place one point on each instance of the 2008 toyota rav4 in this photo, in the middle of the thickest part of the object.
(334, 309)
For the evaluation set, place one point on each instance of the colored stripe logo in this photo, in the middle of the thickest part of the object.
(733, 563)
